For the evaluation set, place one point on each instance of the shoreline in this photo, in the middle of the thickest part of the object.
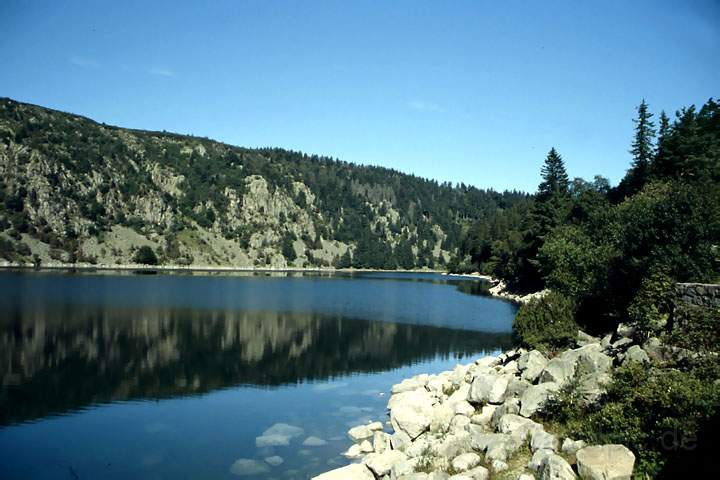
(4, 265)
(484, 420)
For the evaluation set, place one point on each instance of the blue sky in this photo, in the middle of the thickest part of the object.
(474, 91)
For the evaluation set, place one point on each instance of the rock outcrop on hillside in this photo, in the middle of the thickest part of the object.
(73, 191)
(481, 419)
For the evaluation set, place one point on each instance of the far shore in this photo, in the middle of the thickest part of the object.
(200, 268)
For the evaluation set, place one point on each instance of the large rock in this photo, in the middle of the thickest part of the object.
(453, 444)
(554, 467)
(382, 463)
(593, 361)
(535, 396)
(518, 427)
(363, 432)
(537, 459)
(605, 462)
(636, 354)
(626, 331)
(544, 440)
(488, 388)
(442, 414)
(465, 462)
(477, 473)
(356, 471)
(531, 365)
(558, 370)
(407, 385)
(585, 339)
(412, 412)
(592, 386)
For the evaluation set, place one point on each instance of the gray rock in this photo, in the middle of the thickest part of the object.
(570, 446)
(535, 396)
(655, 350)
(459, 422)
(622, 344)
(356, 471)
(605, 462)
(537, 459)
(400, 440)
(454, 444)
(314, 442)
(501, 447)
(606, 341)
(465, 461)
(485, 416)
(414, 476)
(532, 365)
(353, 452)
(626, 331)
(511, 406)
(407, 385)
(488, 388)
(381, 441)
(404, 468)
(245, 467)
(593, 361)
(520, 428)
(462, 408)
(498, 466)
(526, 476)
(363, 432)
(636, 354)
(554, 467)
(382, 463)
(477, 473)
(274, 460)
(460, 395)
(412, 412)
(558, 370)
(592, 386)
(442, 414)
(544, 440)
(516, 387)
(585, 339)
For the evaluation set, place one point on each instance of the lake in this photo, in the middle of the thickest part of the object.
(118, 376)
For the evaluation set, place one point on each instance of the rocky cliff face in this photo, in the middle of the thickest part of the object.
(75, 191)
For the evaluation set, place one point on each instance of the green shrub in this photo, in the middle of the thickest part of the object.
(546, 323)
(656, 413)
(650, 309)
(145, 255)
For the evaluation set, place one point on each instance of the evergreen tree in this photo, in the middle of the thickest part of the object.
(551, 208)
(555, 179)
(642, 150)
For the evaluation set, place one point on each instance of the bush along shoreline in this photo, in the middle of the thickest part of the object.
(618, 407)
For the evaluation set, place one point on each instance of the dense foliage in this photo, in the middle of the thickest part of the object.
(616, 254)
(611, 249)
(547, 322)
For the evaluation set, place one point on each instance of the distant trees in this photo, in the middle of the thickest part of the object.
(145, 255)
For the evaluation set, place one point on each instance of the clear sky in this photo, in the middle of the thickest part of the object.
(474, 91)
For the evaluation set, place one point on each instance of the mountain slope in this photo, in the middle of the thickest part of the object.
(76, 191)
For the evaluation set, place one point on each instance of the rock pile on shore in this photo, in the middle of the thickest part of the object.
(475, 422)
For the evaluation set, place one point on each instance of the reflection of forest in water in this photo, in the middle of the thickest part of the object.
(60, 358)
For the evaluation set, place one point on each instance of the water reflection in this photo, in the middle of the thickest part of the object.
(63, 357)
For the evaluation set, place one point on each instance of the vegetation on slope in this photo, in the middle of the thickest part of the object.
(75, 190)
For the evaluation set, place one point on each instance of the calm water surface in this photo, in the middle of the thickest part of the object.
(217, 377)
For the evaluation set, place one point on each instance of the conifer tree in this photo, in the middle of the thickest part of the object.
(642, 150)
(555, 179)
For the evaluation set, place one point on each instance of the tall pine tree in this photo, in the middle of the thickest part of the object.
(551, 208)
(642, 150)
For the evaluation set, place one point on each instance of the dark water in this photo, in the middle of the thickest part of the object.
(176, 376)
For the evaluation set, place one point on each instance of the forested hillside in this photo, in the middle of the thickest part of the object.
(76, 191)
(612, 256)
